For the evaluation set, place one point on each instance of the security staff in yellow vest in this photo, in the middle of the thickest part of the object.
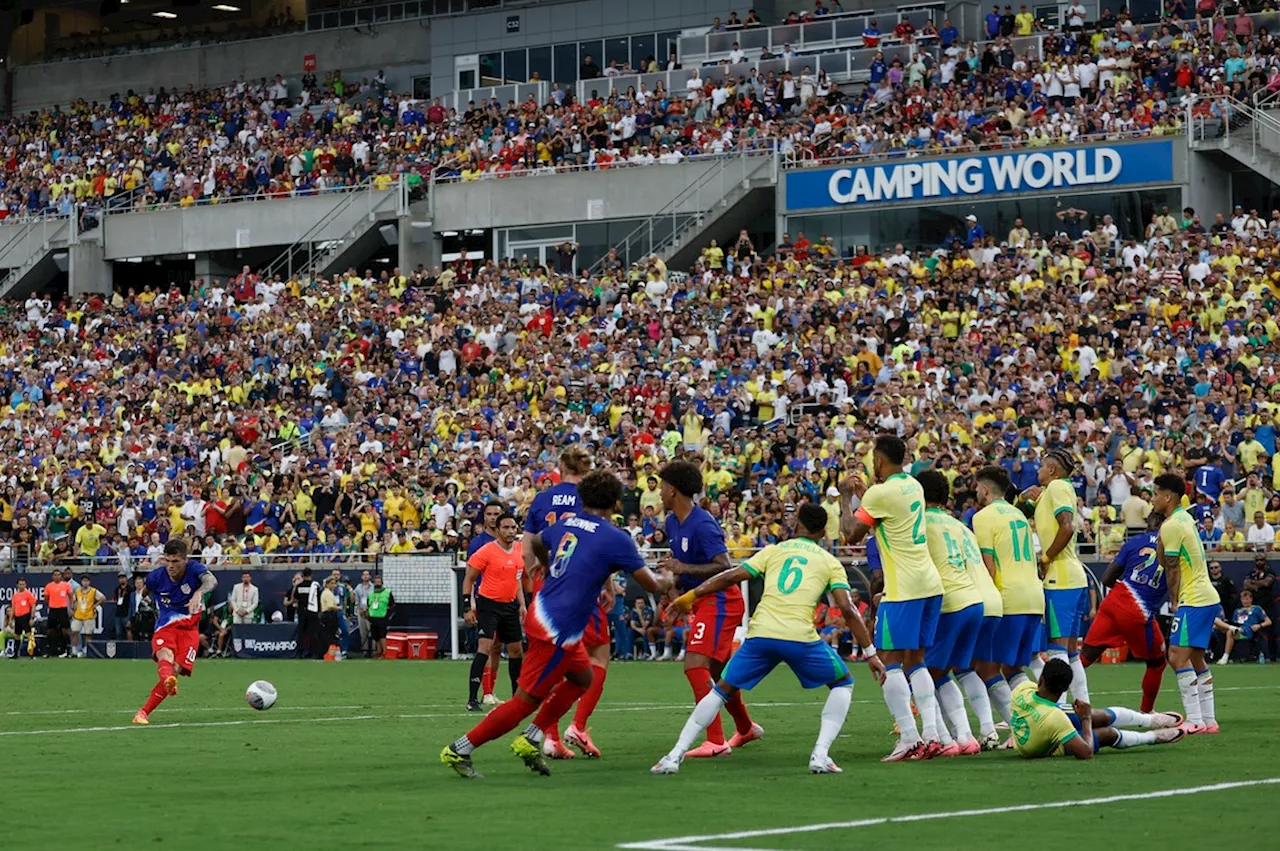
(84, 615)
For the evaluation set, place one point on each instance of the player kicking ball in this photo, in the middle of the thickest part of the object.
(797, 575)
(1041, 728)
(178, 587)
(579, 554)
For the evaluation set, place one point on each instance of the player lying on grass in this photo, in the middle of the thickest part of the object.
(1041, 728)
(797, 574)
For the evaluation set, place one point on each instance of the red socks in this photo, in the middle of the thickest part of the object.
(166, 670)
(587, 704)
(555, 706)
(700, 680)
(502, 720)
(738, 709)
(487, 680)
(158, 694)
(1151, 686)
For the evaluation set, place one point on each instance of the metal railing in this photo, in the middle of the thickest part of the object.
(1237, 123)
(257, 561)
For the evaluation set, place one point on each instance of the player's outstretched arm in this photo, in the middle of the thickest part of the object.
(1111, 575)
(852, 529)
(712, 568)
(861, 634)
(719, 582)
(652, 582)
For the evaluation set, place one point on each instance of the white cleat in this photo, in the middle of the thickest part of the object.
(490, 699)
(667, 765)
(991, 741)
(823, 765)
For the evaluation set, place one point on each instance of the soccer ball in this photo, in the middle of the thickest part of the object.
(261, 695)
(277, 617)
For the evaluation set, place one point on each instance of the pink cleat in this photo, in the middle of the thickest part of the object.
(930, 750)
(948, 750)
(581, 739)
(1165, 720)
(1211, 729)
(904, 751)
(737, 740)
(1193, 729)
(970, 748)
(706, 750)
(555, 749)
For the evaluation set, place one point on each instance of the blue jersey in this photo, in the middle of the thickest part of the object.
(476, 543)
(551, 506)
(172, 598)
(584, 551)
(1249, 618)
(697, 540)
(1142, 573)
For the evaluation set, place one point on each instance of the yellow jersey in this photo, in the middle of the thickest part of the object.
(1004, 534)
(1179, 537)
(1039, 727)
(895, 510)
(956, 556)
(1065, 571)
(86, 603)
(797, 575)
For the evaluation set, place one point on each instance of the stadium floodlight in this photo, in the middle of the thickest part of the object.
(163, 14)
(226, 7)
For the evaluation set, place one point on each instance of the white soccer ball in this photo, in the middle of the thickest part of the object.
(277, 617)
(261, 695)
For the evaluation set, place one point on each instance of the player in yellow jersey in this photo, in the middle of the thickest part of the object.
(1004, 537)
(1193, 601)
(955, 554)
(907, 618)
(797, 575)
(1066, 589)
(1042, 728)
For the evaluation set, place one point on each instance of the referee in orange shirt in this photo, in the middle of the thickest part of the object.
(498, 608)
(57, 596)
(23, 603)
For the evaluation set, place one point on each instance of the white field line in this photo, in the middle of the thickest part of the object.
(696, 843)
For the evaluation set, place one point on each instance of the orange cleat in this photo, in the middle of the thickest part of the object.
(171, 685)
(1193, 729)
(1210, 729)
(581, 739)
(929, 750)
(706, 750)
(141, 718)
(555, 749)
(737, 740)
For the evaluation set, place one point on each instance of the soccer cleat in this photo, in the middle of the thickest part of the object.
(1223, 660)
(667, 765)
(950, 750)
(1211, 729)
(1165, 720)
(171, 685)
(473, 706)
(991, 741)
(1192, 729)
(581, 739)
(1169, 735)
(555, 749)
(970, 748)
(823, 765)
(737, 740)
(1007, 745)
(531, 755)
(141, 718)
(930, 750)
(459, 763)
(706, 750)
(904, 751)
(490, 699)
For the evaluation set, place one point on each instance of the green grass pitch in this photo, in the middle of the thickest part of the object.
(349, 759)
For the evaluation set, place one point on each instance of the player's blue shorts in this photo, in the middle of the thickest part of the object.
(908, 624)
(984, 649)
(1064, 611)
(1017, 638)
(834, 630)
(678, 632)
(1075, 722)
(955, 639)
(814, 663)
(1193, 625)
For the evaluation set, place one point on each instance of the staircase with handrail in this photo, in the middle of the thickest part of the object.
(364, 208)
(1248, 133)
(30, 245)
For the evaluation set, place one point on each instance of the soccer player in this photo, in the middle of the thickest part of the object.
(1004, 539)
(698, 552)
(1041, 727)
(1066, 588)
(955, 554)
(500, 609)
(1127, 615)
(908, 615)
(797, 575)
(178, 587)
(579, 553)
(488, 532)
(1193, 601)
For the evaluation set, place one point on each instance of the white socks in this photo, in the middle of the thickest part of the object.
(897, 696)
(1130, 718)
(1130, 739)
(1001, 697)
(926, 701)
(976, 691)
(1079, 682)
(1037, 665)
(951, 702)
(1204, 680)
(834, 711)
(944, 735)
(707, 710)
(1019, 677)
(1189, 687)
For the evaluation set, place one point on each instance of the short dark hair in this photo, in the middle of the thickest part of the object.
(600, 490)
(1171, 482)
(996, 476)
(936, 487)
(683, 476)
(507, 515)
(813, 517)
(1057, 676)
(175, 547)
(306, 571)
(891, 447)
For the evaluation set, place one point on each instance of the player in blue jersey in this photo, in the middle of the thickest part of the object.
(178, 589)
(488, 532)
(1127, 615)
(579, 554)
(698, 552)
